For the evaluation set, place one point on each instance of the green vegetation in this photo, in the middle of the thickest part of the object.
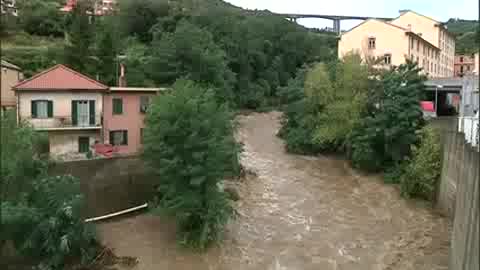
(323, 111)
(189, 144)
(371, 115)
(467, 34)
(383, 137)
(246, 56)
(421, 175)
(41, 215)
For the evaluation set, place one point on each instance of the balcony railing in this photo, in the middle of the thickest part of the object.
(66, 122)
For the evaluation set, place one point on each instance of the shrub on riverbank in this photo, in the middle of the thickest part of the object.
(423, 171)
(189, 144)
(41, 215)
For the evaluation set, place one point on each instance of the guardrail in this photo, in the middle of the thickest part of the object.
(469, 126)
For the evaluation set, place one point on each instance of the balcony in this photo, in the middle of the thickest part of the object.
(66, 122)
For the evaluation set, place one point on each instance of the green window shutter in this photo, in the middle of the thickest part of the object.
(74, 113)
(34, 109)
(125, 137)
(49, 109)
(92, 112)
(117, 106)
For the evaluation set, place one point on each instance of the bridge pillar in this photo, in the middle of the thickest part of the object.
(336, 26)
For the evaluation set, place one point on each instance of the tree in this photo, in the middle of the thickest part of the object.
(386, 131)
(343, 103)
(192, 53)
(41, 17)
(189, 145)
(78, 49)
(41, 215)
(137, 17)
(106, 50)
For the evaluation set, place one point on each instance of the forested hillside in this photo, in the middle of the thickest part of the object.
(245, 55)
(467, 34)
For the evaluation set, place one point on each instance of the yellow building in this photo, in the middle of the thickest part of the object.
(411, 35)
(9, 76)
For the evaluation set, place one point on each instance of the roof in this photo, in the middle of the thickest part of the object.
(369, 20)
(416, 13)
(437, 23)
(9, 65)
(60, 77)
(136, 89)
(407, 31)
(447, 81)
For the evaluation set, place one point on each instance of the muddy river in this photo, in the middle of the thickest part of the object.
(298, 213)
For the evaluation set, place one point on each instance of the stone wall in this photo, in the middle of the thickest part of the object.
(110, 185)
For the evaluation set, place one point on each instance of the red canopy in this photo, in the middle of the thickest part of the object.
(427, 106)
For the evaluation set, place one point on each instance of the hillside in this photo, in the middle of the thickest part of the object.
(247, 55)
(467, 34)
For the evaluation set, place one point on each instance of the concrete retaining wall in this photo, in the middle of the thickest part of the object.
(110, 185)
(458, 198)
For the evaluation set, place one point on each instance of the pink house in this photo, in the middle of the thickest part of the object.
(123, 117)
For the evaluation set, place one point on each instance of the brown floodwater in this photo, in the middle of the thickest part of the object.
(297, 213)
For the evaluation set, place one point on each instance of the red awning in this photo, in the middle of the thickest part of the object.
(427, 106)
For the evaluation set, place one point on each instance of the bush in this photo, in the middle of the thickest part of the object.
(423, 172)
(46, 225)
(41, 215)
(383, 137)
(189, 144)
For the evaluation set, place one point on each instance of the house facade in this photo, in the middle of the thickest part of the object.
(464, 64)
(100, 7)
(10, 76)
(65, 104)
(124, 113)
(410, 35)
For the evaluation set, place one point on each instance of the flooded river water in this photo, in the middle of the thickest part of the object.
(298, 213)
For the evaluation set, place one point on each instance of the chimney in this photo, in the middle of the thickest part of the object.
(122, 81)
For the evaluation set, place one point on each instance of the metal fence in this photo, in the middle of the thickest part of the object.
(469, 126)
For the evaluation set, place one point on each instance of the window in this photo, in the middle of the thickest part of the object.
(461, 59)
(418, 45)
(418, 61)
(431, 67)
(117, 106)
(387, 58)
(468, 68)
(435, 68)
(119, 137)
(412, 41)
(144, 101)
(461, 69)
(83, 144)
(141, 136)
(42, 108)
(371, 43)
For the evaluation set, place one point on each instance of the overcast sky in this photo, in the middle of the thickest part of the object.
(440, 10)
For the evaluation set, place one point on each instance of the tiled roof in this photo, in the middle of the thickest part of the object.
(9, 65)
(60, 77)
